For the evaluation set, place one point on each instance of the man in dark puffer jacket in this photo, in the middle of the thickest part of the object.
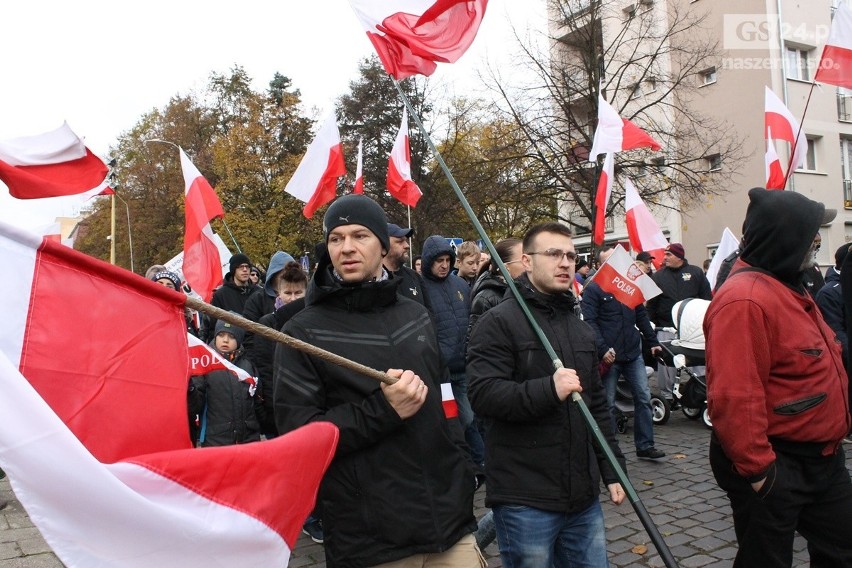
(399, 485)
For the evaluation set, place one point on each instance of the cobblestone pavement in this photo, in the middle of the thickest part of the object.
(678, 491)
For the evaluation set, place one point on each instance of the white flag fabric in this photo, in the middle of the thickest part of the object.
(727, 244)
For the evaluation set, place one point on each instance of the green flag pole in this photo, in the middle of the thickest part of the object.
(638, 506)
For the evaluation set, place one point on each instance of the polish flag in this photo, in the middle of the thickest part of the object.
(410, 36)
(774, 172)
(399, 167)
(201, 265)
(451, 409)
(204, 359)
(315, 180)
(52, 164)
(359, 170)
(623, 278)
(84, 392)
(642, 230)
(602, 198)
(615, 134)
(780, 123)
(835, 66)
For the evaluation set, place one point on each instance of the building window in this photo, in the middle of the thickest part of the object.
(810, 157)
(629, 12)
(651, 85)
(708, 76)
(714, 163)
(846, 170)
(796, 60)
(636, 91)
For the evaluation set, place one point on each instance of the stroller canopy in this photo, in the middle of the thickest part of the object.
(688, 316)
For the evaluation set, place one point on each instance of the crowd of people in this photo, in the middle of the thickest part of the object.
(399, 491)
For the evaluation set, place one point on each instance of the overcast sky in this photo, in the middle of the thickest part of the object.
(100, 65)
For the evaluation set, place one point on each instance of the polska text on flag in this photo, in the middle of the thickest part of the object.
(623, 278)
(88, 392)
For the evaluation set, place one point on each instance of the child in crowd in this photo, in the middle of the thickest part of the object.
(225, 405)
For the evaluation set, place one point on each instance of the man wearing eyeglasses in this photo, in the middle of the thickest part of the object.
(542, 464)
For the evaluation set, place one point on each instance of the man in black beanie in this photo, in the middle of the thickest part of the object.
(233, 294)
(778, 394)
(399, 485)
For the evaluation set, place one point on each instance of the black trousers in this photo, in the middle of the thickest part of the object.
(804, 492)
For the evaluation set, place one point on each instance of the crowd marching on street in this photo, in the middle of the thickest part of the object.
(478, 402)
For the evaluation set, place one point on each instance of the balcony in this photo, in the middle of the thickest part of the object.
(844, 107)
(847, 194)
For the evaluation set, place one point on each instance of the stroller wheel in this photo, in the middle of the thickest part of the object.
(660, 411)
(621, 424)
(705, 417)
(691, 413)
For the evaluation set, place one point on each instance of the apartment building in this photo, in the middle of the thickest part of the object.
(774, 43)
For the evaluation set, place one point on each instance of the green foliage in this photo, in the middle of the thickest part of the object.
(246, 144)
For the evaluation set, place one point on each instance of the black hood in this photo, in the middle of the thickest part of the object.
(433, 247)
(778, 231)
(363, 296)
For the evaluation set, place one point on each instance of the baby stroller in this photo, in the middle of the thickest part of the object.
(686, 351)
(660, 411)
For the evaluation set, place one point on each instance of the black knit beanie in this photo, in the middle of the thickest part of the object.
(238, 260)
(357, 209)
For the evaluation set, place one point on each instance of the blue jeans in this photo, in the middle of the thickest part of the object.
(532, 538)
(637, 378)
(471, 433)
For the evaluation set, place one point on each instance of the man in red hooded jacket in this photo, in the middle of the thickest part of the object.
(777, 393)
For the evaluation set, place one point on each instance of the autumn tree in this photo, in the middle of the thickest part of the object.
(247, 144)
(649, 60)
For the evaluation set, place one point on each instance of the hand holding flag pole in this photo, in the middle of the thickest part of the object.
(638, 506)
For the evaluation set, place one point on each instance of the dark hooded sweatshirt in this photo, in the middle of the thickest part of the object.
(395, 487)
(774, 367)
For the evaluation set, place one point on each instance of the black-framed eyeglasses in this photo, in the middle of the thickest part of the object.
(557, 254)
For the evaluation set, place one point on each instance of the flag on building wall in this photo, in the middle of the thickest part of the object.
(410, 36)
(835, 65)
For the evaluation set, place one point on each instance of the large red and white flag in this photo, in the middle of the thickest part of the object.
(615, 134)
(400, 184)
(642, 229)
(775, 178)
(201, 264)
(315, 180)
(602, 197)
(51, 164)
(835, 65)
(782, 125)
(411, 35)
(623, 278)
(85, 392)
(359, 169)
